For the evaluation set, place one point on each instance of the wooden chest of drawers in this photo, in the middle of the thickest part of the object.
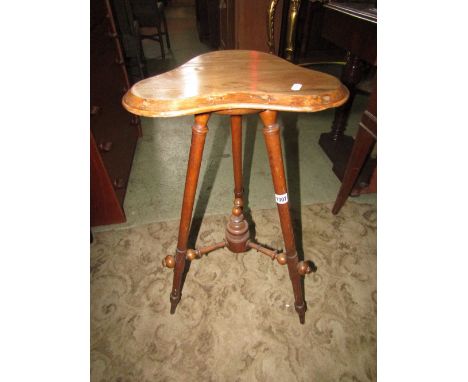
(114, 132)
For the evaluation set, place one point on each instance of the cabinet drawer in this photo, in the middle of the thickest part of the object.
(113, 130)
(116, 136)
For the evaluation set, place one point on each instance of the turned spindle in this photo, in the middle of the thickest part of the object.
(280, 257)
(197, 253)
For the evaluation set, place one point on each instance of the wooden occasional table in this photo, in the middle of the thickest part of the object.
(235, 83)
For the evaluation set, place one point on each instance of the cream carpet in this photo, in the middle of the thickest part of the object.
(236, 320)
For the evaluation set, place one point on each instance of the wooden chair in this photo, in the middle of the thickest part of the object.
(151, 18)
(236, 83)
(129, 35)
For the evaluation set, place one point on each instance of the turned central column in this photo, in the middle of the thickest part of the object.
(237, 230)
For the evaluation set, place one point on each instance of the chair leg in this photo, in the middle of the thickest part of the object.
(161, 42)
(199, 131)
(273, 145)
(361, 148)
(166, 32)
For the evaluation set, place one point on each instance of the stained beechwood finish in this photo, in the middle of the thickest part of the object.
(235, 83)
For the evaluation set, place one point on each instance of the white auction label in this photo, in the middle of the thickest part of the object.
(296, 87)
(281, 199)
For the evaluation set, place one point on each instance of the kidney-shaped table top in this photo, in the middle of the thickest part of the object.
(234, 79)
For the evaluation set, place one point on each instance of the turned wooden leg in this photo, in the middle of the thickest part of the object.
(236, 133)
(273, 145)
(165, 30)
(352, 73)
(335, 143)
(362, 145)
(199, 131)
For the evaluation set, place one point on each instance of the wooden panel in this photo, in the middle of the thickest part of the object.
(114, 132)
(227, 27)
(97, 14)
(114, 127)
(278, 25)
(243, 24)
(251, 24)
(208, 22)
(105, 207)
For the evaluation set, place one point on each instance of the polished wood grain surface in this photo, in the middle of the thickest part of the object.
(234, 79)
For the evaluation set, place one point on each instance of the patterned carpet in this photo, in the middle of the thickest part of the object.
(236, 320)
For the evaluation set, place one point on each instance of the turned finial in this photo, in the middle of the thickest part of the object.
(304, 268)
(237, 209)
(238, 202)
(281, 258)
(168, 261)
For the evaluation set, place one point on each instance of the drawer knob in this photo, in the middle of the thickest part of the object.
(105, 146)
(119, 183)
(95, 110)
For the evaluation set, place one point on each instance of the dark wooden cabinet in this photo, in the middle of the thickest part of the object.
(245, 24)
(114, 132)
(227, 24)
(242, 24)
(310, 45)
(207, 12)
